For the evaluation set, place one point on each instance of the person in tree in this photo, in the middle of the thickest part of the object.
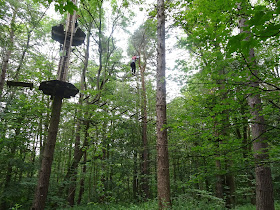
(132, 64)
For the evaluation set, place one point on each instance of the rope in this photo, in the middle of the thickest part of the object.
(64, 59)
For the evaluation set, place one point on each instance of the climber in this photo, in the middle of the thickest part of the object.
(132, 64)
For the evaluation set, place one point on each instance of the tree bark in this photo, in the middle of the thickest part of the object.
(145, 152)
(264, 186)
(82, 182)
(8, 53)
(45, 172)
(163, 180)
(219, 181)
(230, 190)
(73, 176)
(135, 177)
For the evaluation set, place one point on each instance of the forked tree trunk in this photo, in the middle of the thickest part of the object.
(163, 180)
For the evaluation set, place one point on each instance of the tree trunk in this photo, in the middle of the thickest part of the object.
(264, 186)
(8, 53)
(230, 190)
(145, 152)
(219, 181)
(246, 151)
(163, 180)
(48, 153)
(23, 55)
(45, 172)
(73, 176)
(8, 178)
(82, 182)
(135, 177)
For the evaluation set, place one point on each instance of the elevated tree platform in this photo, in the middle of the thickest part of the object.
(58, 34)
(58, 88)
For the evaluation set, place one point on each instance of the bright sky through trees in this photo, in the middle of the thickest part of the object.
(172, 52)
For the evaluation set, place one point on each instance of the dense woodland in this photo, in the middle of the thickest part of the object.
(222, 129)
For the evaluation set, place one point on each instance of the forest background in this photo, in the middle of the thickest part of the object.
(222, 128)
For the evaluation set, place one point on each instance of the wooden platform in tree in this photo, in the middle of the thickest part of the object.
(58, 88)
(58, 34)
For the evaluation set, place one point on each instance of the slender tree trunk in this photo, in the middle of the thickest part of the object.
(219, 181)
(242, 133)
(230, 190)
(91, 180)
(78, 155)
(82, 182)
(145, 152)
(8, 178)
(163, 180)
(135, 179)
(219, 185)
(8, 53)
(45, 172)
(73, 176)
(23, 55)
(206, 179)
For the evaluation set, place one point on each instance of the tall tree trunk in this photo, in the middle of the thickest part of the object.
(230, 190)
(264, 186)
(82, 182)
(218, 141)
(145, 152)
(8, 178)
(242, 133)
(135, 177)
(8, 53)
(163, 180)
(78, 156)
(219, 181)
(23, 55)
(45, 171)
(73, 176)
